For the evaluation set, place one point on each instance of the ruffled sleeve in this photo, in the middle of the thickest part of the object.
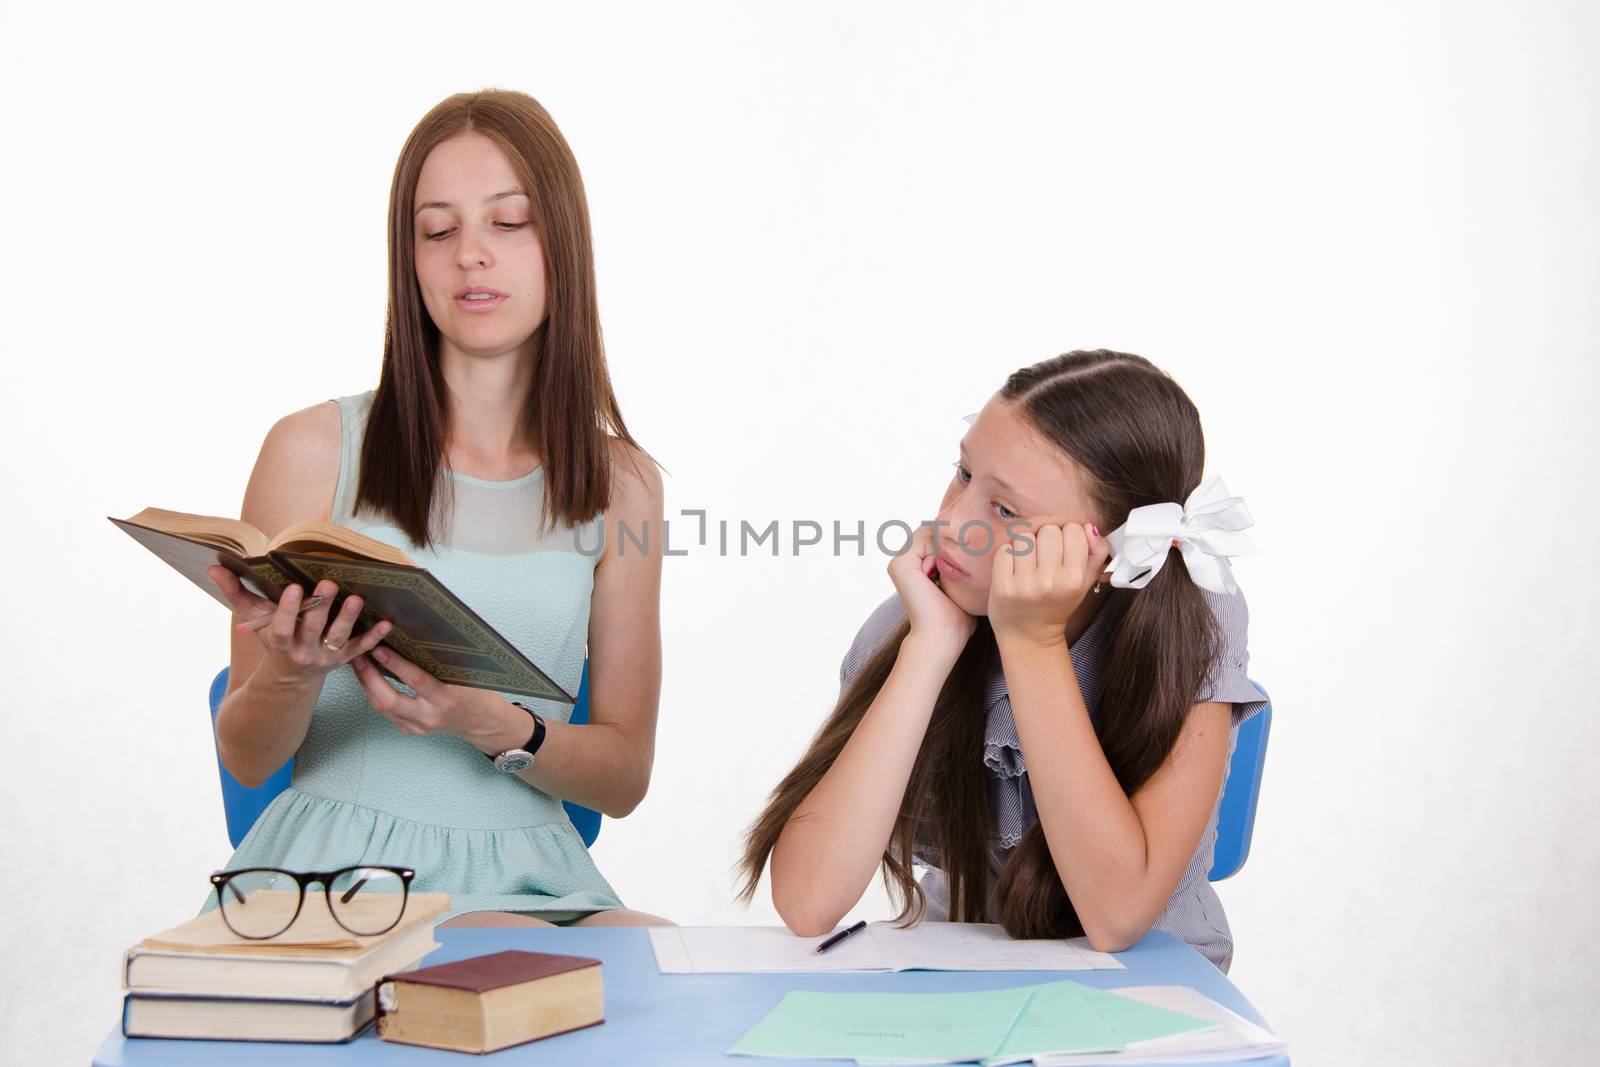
(1228, 680)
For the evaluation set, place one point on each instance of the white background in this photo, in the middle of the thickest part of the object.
(1364, 239)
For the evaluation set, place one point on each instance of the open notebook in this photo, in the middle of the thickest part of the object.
(882, 946)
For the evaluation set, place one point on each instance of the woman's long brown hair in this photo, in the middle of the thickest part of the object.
(572, 411)
(1138, 436)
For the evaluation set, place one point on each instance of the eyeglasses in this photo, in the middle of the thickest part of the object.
(263, 902)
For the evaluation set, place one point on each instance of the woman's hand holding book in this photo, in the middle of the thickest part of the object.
(298, 644)
(477, 716)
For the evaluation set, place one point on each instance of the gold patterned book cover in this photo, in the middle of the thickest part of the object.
(433, 628)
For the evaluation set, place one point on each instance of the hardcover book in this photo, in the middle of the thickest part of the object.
(207, 1018)
(433, 628)
(491, 1002)
(266, 969)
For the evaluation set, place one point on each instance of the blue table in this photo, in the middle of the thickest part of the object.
(654, 1018)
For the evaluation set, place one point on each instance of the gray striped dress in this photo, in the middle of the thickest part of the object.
(1194, 913)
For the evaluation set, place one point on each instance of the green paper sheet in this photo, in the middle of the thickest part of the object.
(931, 1027)
(1065, 1017)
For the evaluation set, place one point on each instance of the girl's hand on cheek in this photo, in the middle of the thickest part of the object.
(1039, 581)
(935, 618)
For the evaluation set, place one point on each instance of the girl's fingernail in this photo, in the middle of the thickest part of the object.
(380, 655)
(1093, 529)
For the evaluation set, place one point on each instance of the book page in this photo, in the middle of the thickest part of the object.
(319, 537)
(235, 535)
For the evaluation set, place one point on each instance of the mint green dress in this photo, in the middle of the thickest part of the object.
(365, 793)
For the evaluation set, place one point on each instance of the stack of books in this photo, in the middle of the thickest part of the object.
(313, 982)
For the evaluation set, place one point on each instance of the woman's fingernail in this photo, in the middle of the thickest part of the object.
(1093, 529)
(380, 655)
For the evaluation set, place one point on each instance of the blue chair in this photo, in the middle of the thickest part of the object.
(1236, 820)
(243, 805)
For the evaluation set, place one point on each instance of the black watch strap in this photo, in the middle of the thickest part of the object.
(532, 747)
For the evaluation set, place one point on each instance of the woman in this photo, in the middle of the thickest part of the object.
(1051, 747)
(493, 453)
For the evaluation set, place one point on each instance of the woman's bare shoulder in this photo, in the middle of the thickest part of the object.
(310, 430)
(636, 484)
(297, 471)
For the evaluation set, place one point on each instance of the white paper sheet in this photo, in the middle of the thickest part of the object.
(1238, 1039)
(880, 947)
(982, 947)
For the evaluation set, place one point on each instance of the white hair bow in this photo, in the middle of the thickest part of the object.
(1207, 529)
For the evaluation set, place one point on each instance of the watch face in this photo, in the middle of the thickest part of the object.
(513, 761)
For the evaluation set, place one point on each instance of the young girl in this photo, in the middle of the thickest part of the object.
(493, 453)
(1051, 742)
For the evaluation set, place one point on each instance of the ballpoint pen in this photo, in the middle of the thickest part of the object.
(260, 621)
(840, 936)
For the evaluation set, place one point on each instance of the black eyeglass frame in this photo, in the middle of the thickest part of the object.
(302, 879)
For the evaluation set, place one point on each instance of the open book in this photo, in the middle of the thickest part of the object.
(433, 628)
(882, 946)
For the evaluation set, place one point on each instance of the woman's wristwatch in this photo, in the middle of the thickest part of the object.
(513, 760)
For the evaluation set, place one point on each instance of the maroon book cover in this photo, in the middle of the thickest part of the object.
(483, 973)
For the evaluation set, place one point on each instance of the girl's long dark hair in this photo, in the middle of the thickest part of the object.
(572, 411)
(1138, 436)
